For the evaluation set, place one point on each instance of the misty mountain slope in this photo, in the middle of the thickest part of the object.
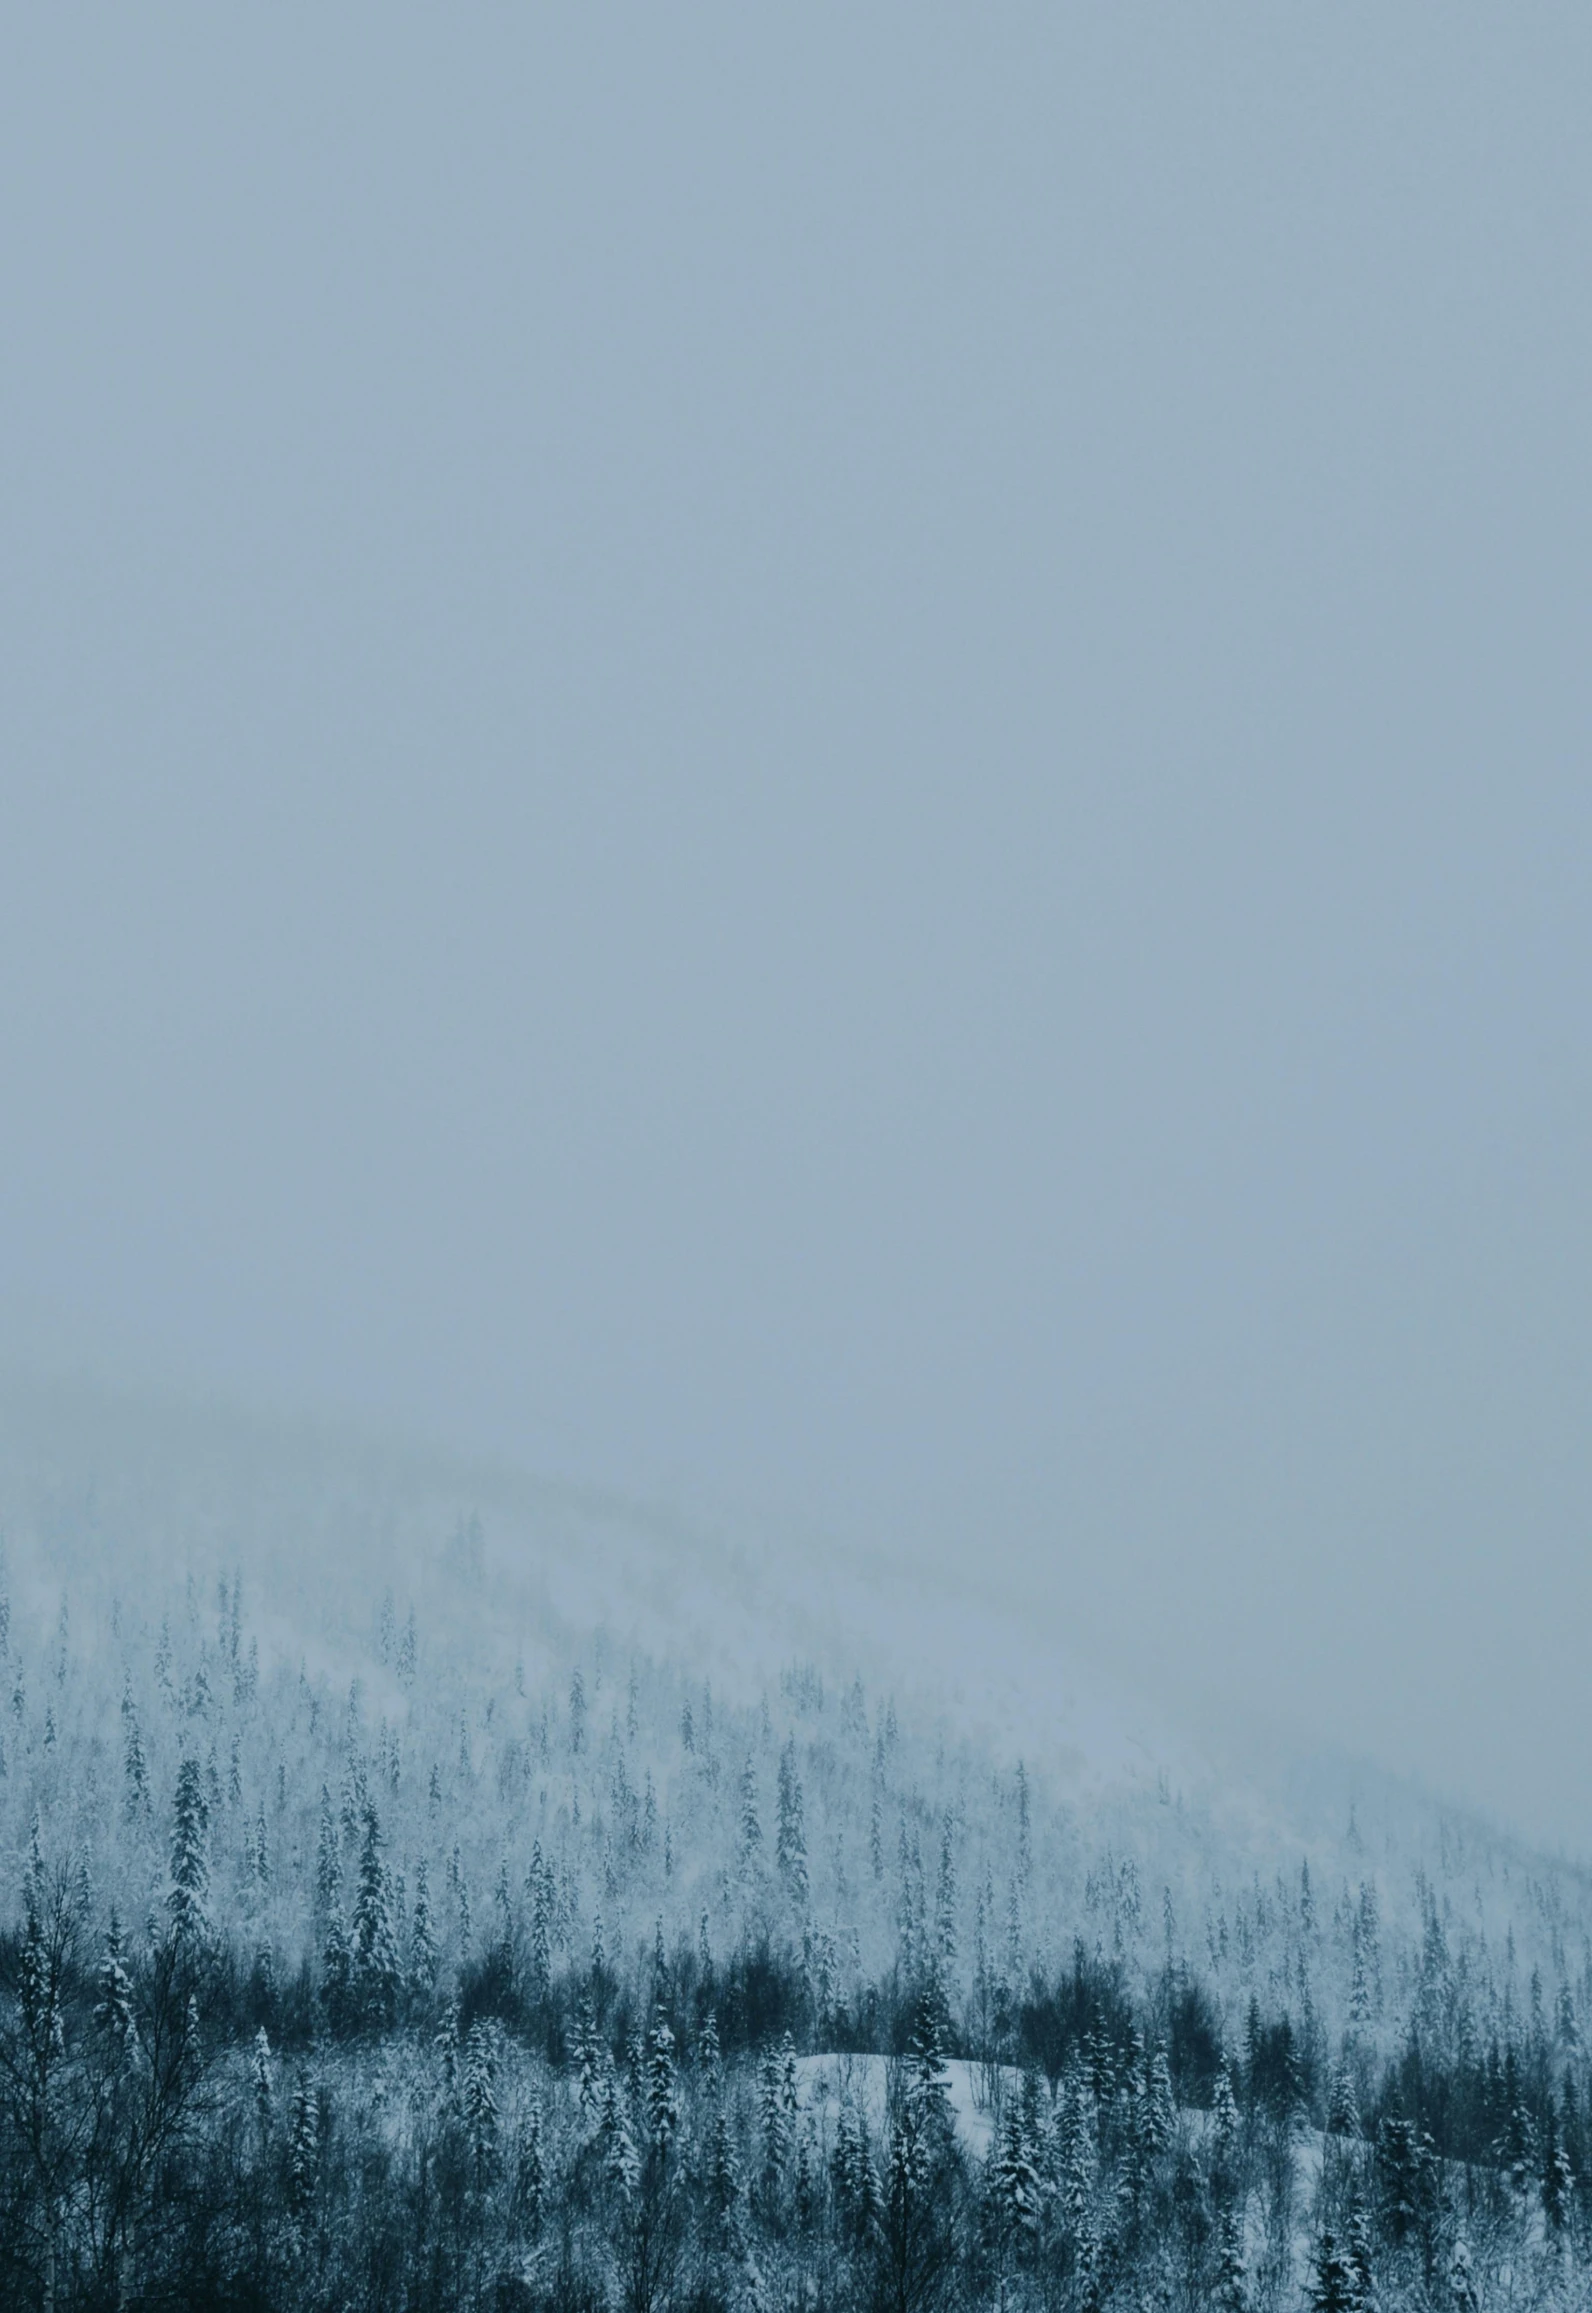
(324, 1555)
(446, 1791)
(334, 1520)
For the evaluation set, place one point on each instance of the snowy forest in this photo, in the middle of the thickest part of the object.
(377, 1952)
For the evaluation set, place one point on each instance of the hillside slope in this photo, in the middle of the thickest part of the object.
(395, 1742)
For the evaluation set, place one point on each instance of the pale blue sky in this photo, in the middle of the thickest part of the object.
(837, 762)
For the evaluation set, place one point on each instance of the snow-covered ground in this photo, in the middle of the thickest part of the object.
(825, 2081)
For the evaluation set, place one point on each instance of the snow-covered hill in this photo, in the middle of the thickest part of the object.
(424, 1757)
(120, 1519)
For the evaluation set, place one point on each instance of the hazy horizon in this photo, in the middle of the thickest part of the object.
(837, 771)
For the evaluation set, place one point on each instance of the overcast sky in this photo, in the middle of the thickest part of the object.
(836, 762)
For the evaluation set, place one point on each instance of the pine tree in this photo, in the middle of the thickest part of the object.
(722, 2173)
(303, 2151)
(1138, 2148)
(1014, 1933)
(805, 2191)
(1357, 2245)
(614, 2139)
(907, 1874)
(1343, 2111)
(1558, 2178)
(1159, 2108)
(461, 1899)
(46, 1952)
(945, 1901)
(791, 1846)
(751, 1830)
(1079, 2154)
(1369, 1947)
(1360, 1979)
(1232, 2278)
(530, 2184)
(1568, 2030)
(135, 1768)
(445, 2041)
(478, 2098)
(855, 2177)
(662, 2087)
(352, 1801)
(263, 2083)
(1335, 2287)
(373, 1957)
(337, 1974)
(842, 2152)
(190, 1872)
(1015, 2188)
(541, 1890)
(928, 2084)
(113, 2005)
(588, 2068)
(328, 1860)
(422, 1941)
(774, 2125)
(1224, 2118)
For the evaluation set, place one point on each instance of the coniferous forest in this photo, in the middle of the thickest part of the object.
(383, 1965)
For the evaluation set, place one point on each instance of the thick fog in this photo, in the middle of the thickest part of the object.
(836, 766)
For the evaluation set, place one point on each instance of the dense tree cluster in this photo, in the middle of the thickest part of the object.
(590, 1987)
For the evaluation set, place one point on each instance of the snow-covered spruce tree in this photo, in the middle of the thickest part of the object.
(376, 1976)
(190, 1870)
(303, 2156)
(1231, 2292)
(422, 1942)
(751, 1827)
(479, 2104)
(1013, 2191)
(791, 1844)
(662, 2087)
(113, 2006)
(1335, 2285)
(263, 2081)
(134, 1762)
